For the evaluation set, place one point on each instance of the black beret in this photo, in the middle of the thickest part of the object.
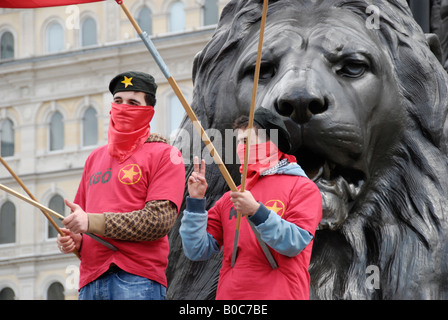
(133, 81)
(272, 121)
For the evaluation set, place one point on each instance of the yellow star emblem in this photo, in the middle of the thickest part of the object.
(274, 208)
(127, 81)
(276, 205)
(130, 174)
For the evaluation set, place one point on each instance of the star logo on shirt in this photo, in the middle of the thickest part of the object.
(127, 81)
(276, 205)
(130, 174)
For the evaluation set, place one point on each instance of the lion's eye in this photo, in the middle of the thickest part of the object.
(267, 71)
(352, 69)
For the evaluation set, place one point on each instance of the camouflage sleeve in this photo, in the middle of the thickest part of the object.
(151, 223)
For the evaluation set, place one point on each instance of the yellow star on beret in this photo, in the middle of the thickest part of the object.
(127, 81)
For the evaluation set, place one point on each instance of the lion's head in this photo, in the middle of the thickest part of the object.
(367, 111)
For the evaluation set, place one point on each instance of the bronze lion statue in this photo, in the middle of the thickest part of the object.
(366, 103)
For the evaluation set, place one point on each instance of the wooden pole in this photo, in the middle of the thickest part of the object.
(46, 211)
(55, 214)
(250, 125)
(254, 94)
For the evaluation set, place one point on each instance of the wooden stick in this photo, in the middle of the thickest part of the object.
(46, 211)
(19, 181)
(250, 124)
(55, 214)
(31, 201)
(254, 95)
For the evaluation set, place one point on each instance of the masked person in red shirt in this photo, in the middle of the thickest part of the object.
(283, 204)
(130, 194)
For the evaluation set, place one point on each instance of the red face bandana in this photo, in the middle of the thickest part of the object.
(262, 156)
(128, 129)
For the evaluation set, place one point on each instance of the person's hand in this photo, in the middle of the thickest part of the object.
(78, 221)
(69, 242)
(244, 202)
(197, 185)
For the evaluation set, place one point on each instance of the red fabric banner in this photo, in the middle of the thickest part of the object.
(40, 3)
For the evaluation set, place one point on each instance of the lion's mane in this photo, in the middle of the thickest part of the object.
(399, 222)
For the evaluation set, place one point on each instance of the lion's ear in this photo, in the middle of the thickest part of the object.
(434, 44)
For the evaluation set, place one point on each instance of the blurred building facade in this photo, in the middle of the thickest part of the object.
(55, 67)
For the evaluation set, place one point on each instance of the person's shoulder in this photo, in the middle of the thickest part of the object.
(157, 146)
(307, 186)
(156, 137)
(157, 143)
(295, 182)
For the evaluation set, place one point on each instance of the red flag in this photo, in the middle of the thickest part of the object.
(40, 3)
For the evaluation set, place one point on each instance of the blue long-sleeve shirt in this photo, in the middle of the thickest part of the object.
(284, 237)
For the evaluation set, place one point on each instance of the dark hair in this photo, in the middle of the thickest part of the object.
(242, 122)
(150, 100)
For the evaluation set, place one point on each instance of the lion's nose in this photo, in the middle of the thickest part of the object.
(300, 100)
(301, 109)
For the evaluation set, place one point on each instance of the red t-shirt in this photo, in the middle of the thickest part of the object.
(154, 172)
(295, 199)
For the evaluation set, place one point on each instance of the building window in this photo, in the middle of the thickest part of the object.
(54, 37)
(7, 46)
(56, 204)
(56, 132)
(210, 12)
(7, 294)
(153, 123)
(177, 113)
(55, 291)
(90, 127)
(144, 19)
(7, 138)
(7, 223)
(88, 32)
(177, 17)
